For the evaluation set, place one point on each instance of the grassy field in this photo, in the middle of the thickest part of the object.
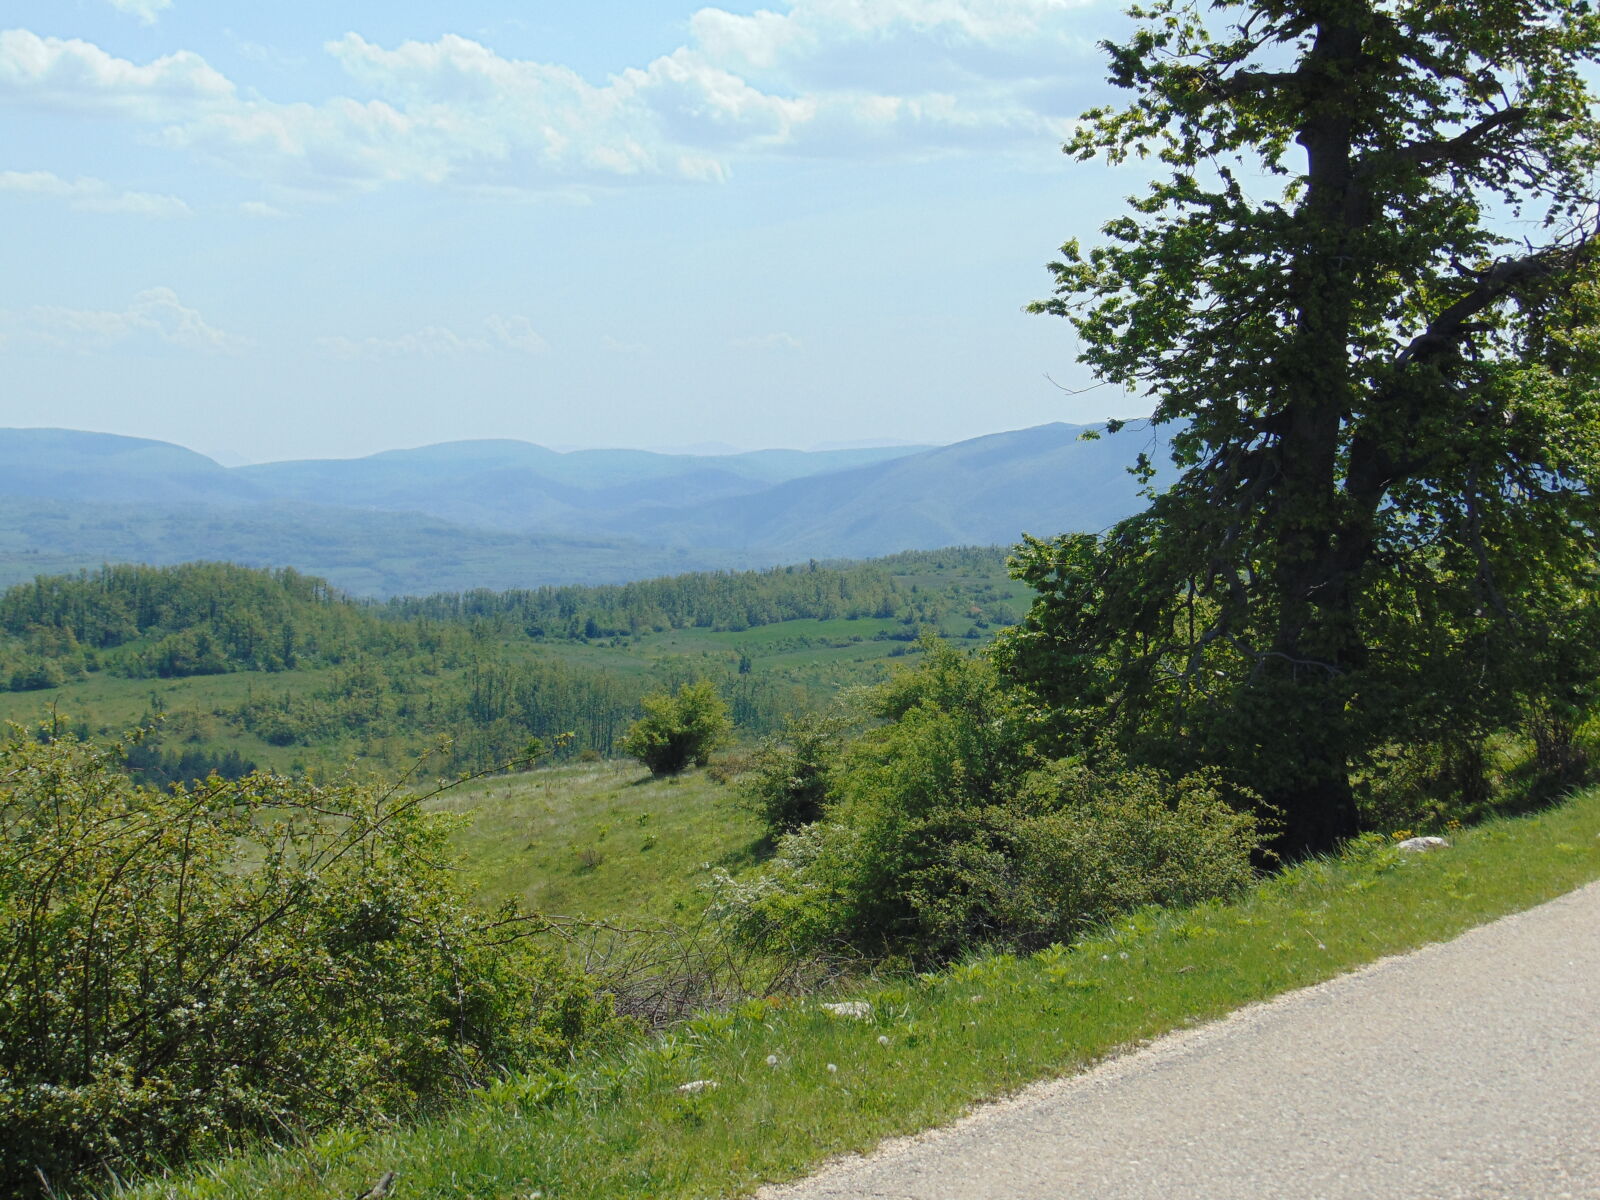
(796, 1084)
(601, 840)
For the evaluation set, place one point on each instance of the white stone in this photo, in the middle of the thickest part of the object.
(856, 1010)
(1419, 844)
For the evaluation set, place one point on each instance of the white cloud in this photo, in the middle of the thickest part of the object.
(435, 341)
(261, 210)
(616, 346)
(822, 78)
(767, 341)
(77, 76)
(91, 195)
(155, 316)
(517, 333)
(145, 10)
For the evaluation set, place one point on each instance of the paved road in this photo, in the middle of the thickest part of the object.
(1467, 1069)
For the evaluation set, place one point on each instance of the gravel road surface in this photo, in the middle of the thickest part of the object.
(1466, 1069)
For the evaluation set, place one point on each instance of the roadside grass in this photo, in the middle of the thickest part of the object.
(796, 1084)
(600, 840)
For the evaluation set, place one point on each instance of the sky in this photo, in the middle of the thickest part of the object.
(306, 230)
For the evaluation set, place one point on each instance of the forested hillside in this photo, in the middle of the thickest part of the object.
(252, 667)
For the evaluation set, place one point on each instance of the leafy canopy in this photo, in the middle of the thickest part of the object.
(1362, 290)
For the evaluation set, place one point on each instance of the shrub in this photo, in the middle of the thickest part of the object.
(788, 781)
(678, 729)
(948, 833)
(188, 967)
(1103, 841)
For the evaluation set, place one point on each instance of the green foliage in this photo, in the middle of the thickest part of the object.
(679, 729)
(198, 619)
(188, 967)
(732, 601)
(947, 830)
(792, 771)
(937, 1043)
(324, 677)
(1385, 404)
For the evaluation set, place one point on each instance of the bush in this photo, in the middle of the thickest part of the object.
(787, 785)
(949, 833)
(191, 966)
(1109, 840)
(679, 729)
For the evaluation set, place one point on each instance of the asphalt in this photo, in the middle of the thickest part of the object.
(1469, 1068)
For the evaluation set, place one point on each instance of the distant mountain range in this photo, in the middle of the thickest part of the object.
(504, 514)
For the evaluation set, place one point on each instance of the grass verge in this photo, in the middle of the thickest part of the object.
(796, 1084)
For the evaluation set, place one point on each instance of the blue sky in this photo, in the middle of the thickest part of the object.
(306, 230)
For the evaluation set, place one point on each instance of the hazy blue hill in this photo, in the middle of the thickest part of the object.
(505, 514)
(622, 468)
(988, 490)
(516, 485)
(69, 465)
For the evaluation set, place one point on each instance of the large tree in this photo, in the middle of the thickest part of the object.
(1361, 296)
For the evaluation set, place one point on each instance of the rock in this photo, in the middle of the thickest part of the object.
(856, 1010)
(698, 1085)
(1417, 845)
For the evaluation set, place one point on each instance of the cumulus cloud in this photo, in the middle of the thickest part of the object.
(821, 78)
(70, 75)
(91, 195)
(155, 316)
(906, 46)
(145, 10)
(435, 341)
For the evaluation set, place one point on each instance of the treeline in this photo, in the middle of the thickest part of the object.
(192, 619)
(213, 618)
(725, 601)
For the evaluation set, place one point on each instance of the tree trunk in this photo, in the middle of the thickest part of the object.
(1303, 729)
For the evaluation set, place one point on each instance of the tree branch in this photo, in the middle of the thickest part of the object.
(1244, 83)
(1465, 147)
(1446, 331)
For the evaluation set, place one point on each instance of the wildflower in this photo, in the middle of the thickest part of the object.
(772, 1060)
(833, 1068)
(883, 1039)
